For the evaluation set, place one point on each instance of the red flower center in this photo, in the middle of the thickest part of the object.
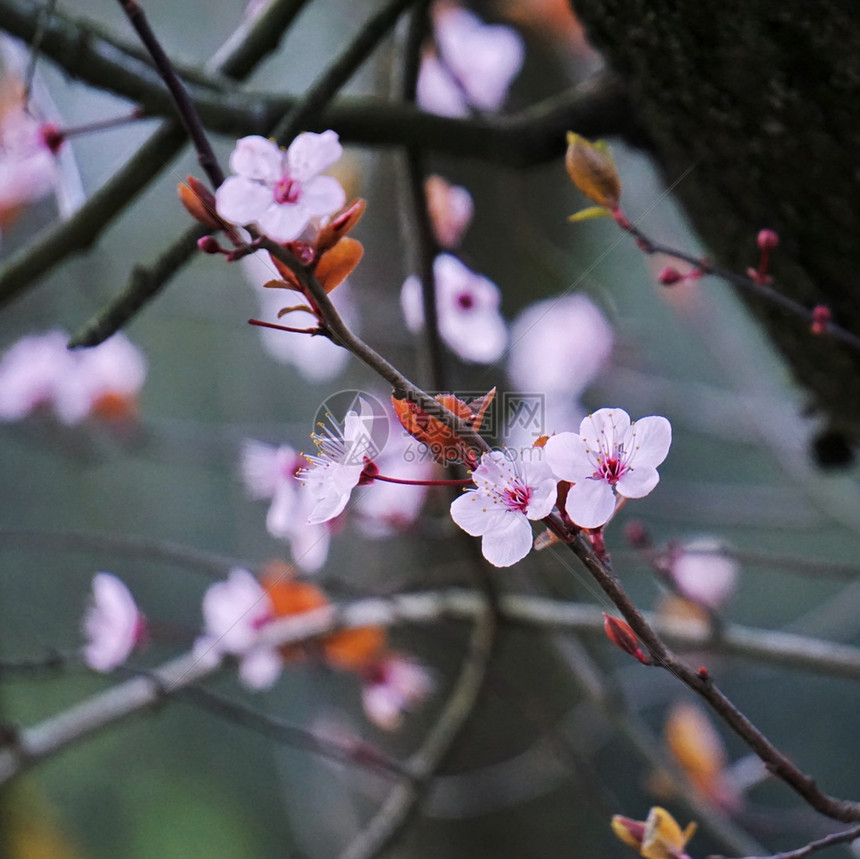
(287, 190)
(465, 301)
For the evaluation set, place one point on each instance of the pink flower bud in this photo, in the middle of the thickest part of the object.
(52, 137)
(209, 245)
(621, 635)
(767, 240)
(669, 276)
(821, 317)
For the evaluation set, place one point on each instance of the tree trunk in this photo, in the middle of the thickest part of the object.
(762, 100)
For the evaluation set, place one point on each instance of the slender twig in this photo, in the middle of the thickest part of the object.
(184, 105)
(417, 227)
(760, 290)
(701, 683)
(357, 753)
(844, 837)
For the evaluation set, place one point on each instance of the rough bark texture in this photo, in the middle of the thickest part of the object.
(763, 98)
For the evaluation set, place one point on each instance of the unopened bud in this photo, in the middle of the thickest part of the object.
(631, 832)
(51, 137)
(210, 245)
(621, 635)
(821, 317)
(670, 276)
(767, 240)
(637, 534)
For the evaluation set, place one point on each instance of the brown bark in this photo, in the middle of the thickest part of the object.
(762, 98)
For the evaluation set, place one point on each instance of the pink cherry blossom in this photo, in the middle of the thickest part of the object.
(475, 65)
(269, 472)
(703, 572)
(343, 455)
(233, 612)
(113, 625)
(281, 190)
(507, 495)
(391, 686)
(609, 456)
(470, 322)
(451, 209)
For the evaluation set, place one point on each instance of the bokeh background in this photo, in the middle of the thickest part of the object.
(539, 770)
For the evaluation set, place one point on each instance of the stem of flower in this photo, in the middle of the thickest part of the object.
(402, 480)
(261, 324)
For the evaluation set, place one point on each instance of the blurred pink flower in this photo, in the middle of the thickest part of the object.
(112, 624)
(39, 371)
(451, 209)
(702, 572)
(609, 455)
(507, 495)
(233, 612)
(559, 345)
(468, 307)
(475, 65)
(269, 472)
(390, 687)
(28, 170)
(281, 190)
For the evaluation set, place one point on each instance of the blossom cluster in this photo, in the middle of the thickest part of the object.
(234, 613)
(587, 475)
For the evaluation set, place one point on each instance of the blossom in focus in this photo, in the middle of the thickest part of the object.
(281, 190)
(269, 472)
(344, 453)
(558, 347)
(451, 209)
(112, 624)
(39, 371)
(392, 686)
(233, 613)
(507, 495)
(474, 66)
(28, 169)
(609, 456)
(658, 837)
(468, 310)
(702, 572)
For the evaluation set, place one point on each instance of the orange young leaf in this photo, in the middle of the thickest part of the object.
(199, 201)
(339, 225)
(336, 264)
(592, 169)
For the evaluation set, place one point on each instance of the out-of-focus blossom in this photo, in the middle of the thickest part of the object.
(475, 65)
(468, 310)
(39, 371)
(558, 347)
(701, 754)
(507, 495)
(392, 686)
(234, 611)
(28, 170)
(112, 624)
(658, 837)
(387, 508)
(702, 572)
(269, 472)
(344, 453)
(451, 209)
(109, 378)
(609, 456)
(281, 190)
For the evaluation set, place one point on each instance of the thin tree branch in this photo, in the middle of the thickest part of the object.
(51, 736)
(844, 837)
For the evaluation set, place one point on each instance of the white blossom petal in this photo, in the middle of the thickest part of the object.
(257, 158)
(590, 503)
(283, 222)
(568, 457)
(652, 437)
(323, 195)
(310, 154)
(240, 200)
(638, 481)
(112, 624)
(510, 542)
